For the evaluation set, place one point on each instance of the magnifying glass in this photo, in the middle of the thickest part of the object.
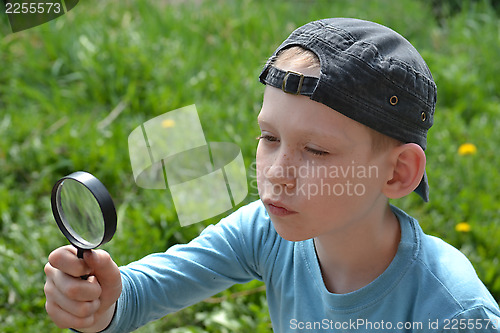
(84, 211)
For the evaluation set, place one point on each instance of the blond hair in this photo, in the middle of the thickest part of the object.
(298, 56)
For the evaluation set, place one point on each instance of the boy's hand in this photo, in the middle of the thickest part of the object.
(85, 305)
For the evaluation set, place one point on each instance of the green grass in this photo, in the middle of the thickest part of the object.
(60, 81)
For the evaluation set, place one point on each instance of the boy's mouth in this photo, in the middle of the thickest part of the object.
(277, 208)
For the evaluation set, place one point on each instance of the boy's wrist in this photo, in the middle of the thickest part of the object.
(103, 323)
(112, 311)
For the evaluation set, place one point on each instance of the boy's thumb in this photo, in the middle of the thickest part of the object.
(105, 271)
(108, 276)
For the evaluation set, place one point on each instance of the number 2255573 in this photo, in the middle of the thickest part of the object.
(32, 8)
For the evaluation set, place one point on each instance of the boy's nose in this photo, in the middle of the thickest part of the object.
(282, 171)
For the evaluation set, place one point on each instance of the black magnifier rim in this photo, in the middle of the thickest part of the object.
(102, 197)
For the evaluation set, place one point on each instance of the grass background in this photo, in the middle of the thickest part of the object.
(61, 81)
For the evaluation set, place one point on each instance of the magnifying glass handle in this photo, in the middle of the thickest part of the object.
(79, 254)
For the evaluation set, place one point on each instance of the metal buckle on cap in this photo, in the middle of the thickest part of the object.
(299, 86)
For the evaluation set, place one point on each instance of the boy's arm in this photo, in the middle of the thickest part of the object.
(162, 283)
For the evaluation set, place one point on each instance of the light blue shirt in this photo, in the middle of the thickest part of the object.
(429, 286)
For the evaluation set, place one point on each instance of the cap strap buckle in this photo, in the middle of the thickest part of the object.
(292, 82)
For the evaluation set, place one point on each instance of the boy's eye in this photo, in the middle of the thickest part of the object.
(316, 151)
(268, 138)
(272, 139)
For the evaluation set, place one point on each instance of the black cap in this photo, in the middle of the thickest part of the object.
(369, 73)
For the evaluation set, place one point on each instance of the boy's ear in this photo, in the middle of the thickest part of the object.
(408, 167)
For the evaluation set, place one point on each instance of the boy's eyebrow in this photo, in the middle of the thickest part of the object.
(307, 133)
(263, 122)
(337, 136)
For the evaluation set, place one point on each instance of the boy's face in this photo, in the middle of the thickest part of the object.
(316, 172)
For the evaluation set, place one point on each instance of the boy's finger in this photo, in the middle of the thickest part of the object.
(74, 288)
(64, 319)
(80, 309)
(65, 260)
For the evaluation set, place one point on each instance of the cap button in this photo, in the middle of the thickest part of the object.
(394, 100)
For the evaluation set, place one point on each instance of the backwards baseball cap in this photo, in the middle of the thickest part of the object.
(369, 73)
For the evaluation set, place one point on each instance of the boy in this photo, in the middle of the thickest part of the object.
(346, 110)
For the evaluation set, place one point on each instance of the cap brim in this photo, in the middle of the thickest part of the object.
(423, 188)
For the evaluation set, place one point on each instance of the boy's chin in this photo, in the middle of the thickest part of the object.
(292, 236)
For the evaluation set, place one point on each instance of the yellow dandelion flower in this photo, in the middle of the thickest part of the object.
(167, 123)
(467, 149)
(463, 227)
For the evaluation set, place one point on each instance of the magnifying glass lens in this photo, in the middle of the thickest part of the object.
(84, 211)
(80, 213)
